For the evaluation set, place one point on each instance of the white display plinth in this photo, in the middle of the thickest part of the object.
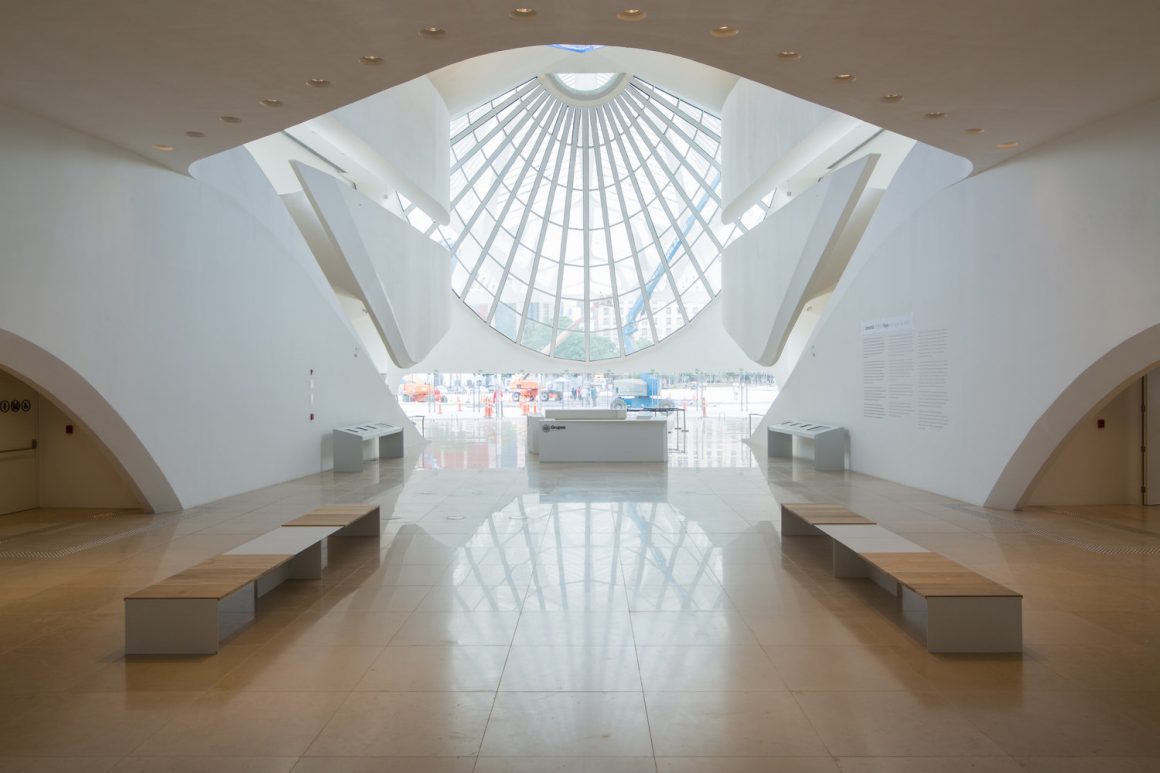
(349, 444)
(586, 413)
(829, 442)
(602, 440)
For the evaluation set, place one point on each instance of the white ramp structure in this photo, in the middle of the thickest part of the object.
(403, 278)
(795, 254)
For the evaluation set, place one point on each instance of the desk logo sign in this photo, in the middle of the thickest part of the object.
(550, 427)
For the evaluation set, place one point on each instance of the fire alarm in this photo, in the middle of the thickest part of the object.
(1099, 423)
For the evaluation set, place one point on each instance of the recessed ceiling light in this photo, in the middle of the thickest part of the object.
(788, 56)
(195, 135)
(318, 83)
(162, 147)
(892, 96)
(975, 130)
(270, 102)
(1007, 145)
(845, 77)
(724, 31)
(935, 115)
(230, 119)
(631, 14)
(371, 59)
(432, 32)
(523, 13)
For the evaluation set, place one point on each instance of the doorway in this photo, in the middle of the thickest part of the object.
(19, 473)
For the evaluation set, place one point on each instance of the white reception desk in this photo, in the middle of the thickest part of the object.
(600, 440)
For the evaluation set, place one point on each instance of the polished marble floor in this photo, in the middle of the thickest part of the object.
(622, 618)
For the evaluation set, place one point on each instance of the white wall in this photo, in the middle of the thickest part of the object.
(409, 127)
(1035, 270)
(182, 310)
(759, 126)
(793, 255)
(74, 470)
(1095, 466)
(402, 276)
(471, 345)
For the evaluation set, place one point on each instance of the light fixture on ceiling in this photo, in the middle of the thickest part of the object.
(724, 31)
(195, 135)
(974, 130)
(162, 147)
(1007, 145)
(318, 83)
(270, 102)
(523, 13)
(892, 96)
(632, 14)
(370, 59)
(845, 77)
(230, 119)
(934, 115)
(432, 32)
(788, 56)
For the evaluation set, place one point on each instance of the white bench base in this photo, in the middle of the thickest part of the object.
(829, 443)
(972, 624)
(966, 624)
(185, 626)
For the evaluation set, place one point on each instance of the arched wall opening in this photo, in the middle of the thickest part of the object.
(1110, 384)
(110, 465)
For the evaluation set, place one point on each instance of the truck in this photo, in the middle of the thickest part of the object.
(643, 393)
(523, 389)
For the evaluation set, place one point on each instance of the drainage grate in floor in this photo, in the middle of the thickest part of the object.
(156, 522)
(1092, 547)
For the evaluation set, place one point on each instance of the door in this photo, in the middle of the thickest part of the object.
(1152, 438)
(18, 474)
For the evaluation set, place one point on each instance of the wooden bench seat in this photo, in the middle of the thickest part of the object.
(192, 611)
(933, 574)
(213, 579)
(351, 520)
(958, 609)
(802, 518)
(195, 609)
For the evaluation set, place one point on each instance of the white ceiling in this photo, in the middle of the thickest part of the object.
(141, 73)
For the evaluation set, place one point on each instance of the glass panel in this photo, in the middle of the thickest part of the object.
(506, 320)
(537, 337)
(570, 347)
(479, 300)
(602, 314)
(637, 145)
(603, 345)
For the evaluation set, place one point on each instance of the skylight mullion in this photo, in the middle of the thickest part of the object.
(587, 154)
(664, 259)
(499, 180)
(603, 186)
(648, 104)
(518, 94)
(679, 228)
(534, 105)
(682, 159)
(561, 150)
(694, 209)
(607, 116)
(570, 191)
(556, 117)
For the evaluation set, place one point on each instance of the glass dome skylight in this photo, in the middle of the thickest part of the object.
(584, 83)
(585, 230)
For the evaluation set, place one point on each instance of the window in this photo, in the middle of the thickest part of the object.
(585, 217)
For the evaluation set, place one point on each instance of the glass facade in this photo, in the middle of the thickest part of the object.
(585, 217)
